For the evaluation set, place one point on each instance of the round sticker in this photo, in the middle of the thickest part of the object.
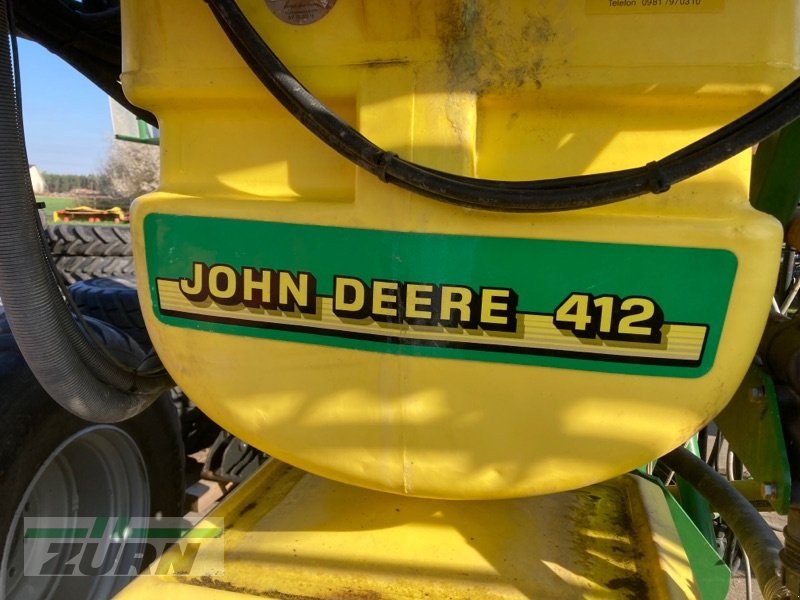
(300, 12)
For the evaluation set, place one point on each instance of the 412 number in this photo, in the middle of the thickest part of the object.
(632, 319)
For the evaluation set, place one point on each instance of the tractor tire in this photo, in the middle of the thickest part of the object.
(81, 268)
(55, 464)
(82, 252)
(113, 300)
(88, 240)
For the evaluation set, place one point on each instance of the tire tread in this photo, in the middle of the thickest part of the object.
(88, 240)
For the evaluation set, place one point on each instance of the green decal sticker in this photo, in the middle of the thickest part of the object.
(619, 308)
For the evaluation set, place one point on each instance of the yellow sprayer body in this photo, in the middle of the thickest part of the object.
(379, 338)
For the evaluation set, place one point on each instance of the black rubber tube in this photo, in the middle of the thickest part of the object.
(756, 537)
(546, 195)
(74, 371)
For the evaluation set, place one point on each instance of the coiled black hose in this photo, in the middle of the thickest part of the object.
(546, 195)
(756, 537)
(77, 374)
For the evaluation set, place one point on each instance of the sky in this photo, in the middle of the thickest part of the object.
(67, 119)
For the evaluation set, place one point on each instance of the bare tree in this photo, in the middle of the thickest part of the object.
(131, 170)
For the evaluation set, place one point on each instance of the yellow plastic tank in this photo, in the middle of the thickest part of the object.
(387, 340)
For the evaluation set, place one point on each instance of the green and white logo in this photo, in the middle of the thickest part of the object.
(620, 308)
(103, 546)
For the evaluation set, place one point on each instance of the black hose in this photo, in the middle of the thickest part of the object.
(76, 373)
(757, 539)
(545, 195)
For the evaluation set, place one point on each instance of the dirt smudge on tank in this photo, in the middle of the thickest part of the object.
(497, 47)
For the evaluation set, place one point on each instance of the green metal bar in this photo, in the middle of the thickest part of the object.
(144, 133)
(752, 425)
(711, 575)
(775, 177)
(128, 138)
(697, 508)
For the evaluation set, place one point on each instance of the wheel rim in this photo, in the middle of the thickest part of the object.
(97, 472)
